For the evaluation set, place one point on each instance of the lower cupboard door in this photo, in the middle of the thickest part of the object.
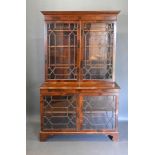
(59, 112)
(99, 112)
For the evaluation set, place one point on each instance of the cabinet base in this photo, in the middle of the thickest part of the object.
(114, 136)
(44, 136)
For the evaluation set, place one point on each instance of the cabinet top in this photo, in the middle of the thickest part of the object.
(79, 12)
(80, 15)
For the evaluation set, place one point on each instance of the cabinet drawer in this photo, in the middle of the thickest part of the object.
(57, 91)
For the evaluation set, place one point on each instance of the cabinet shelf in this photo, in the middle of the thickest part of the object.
(98, 46)
(62, 46)
(62, 30)
(74, 112)
(60, 112)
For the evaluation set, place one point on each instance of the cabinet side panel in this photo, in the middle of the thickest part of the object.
(45, 48)
(114, 51)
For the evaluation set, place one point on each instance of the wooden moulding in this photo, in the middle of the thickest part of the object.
(84, 88)
(80, 15)
(114, 12)
(80, 85)
(45, 135)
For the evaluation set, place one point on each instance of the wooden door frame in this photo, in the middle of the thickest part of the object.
(113, 55)
(46, 51)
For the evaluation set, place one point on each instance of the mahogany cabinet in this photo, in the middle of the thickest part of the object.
(79, 95)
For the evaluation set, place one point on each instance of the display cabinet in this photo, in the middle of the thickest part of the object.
(79, 95)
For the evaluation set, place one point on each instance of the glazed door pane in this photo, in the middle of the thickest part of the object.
(62, 50)
(59, 112)
(97, 61)
(99, 112)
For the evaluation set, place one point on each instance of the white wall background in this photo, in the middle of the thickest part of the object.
(35, 40)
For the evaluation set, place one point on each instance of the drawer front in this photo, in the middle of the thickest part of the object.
(59, 112)
(58, 91)
(79, 91)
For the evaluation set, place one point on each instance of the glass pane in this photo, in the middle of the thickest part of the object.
(59, 112)
(62, 50)
(98, 112)
(98, 51)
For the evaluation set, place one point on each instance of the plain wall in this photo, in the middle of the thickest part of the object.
(35, 45)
